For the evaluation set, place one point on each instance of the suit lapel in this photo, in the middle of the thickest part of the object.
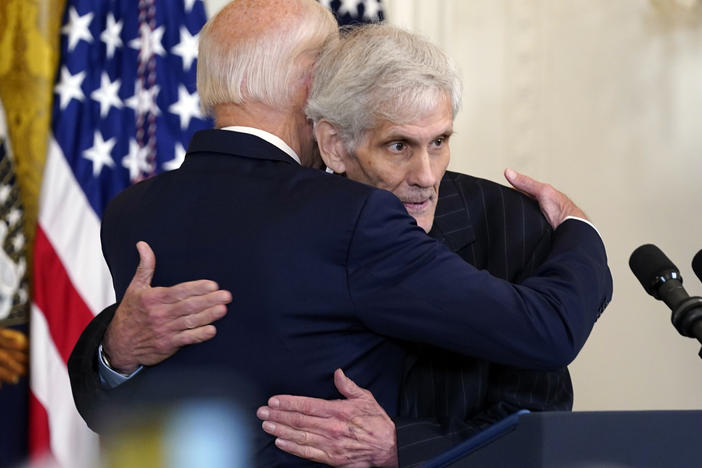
(452, 222)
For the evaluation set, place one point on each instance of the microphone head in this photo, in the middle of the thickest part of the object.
(652, 268)
(697, 264)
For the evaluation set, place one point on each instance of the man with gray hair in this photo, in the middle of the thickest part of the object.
(388, 123)
(328, 273)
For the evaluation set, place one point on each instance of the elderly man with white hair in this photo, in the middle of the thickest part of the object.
(388, 124)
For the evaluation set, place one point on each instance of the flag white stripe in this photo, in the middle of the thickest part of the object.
(74, 231)
(73, 444)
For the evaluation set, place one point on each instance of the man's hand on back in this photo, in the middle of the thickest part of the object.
(151, 324)
(355, 432)
(555, 206)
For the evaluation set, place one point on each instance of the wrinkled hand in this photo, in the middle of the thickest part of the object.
(13, 355)
(355, 432)
(555, 206)
(151, 324)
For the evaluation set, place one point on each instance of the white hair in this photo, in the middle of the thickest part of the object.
(379, 72)
(263, 68)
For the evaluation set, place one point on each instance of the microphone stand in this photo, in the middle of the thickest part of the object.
(687, 319)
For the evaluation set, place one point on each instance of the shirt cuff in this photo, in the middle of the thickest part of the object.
(110, 378)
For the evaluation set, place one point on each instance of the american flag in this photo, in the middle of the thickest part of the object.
(124, 109)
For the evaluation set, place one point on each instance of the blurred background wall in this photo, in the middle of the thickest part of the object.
(604, 100)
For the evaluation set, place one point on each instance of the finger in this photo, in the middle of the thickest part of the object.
(147, 264)
(303, 451)
(347, 387)
(205, 289)
(305, 405)
(194, 336)
(152, 351)
(190, 321)
(298, 436)
(299, 421)
(155, 298)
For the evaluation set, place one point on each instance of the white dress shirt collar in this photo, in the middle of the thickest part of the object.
(269, 137)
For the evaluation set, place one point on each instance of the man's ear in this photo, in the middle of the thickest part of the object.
(331, 146)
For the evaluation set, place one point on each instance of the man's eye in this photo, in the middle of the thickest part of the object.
(439, 141)
(397, 147)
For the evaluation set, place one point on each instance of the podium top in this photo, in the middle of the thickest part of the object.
(618, 439)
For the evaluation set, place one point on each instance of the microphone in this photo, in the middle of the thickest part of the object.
(662, 280)
(697, 264)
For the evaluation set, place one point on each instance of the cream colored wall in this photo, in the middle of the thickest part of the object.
(604, 100)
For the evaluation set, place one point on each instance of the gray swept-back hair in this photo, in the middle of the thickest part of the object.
(379, 72)
(262, 68)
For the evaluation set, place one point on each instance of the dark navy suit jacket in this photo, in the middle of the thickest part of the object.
(330, 273)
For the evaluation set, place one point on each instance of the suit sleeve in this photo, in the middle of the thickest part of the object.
(98, 406)
(88, 394)
(408, 286)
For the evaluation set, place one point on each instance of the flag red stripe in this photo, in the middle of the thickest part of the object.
(65, 311)
(39, 439)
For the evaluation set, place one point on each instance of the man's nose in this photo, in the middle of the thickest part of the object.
(421, 173)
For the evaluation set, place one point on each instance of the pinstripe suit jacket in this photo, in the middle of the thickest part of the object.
(446, 397)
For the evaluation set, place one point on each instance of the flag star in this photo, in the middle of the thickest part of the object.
(77, 28)
(176, 162)
(189, 4)
(186, 107)
(349, 6)
(99, 153)
(186, 48)
(5, 191)
(371, 10)
(18, 242)
(144, 100)
(69, 87)
(136, 161)
(13, 217)
(149, 42)
(110, 36)
(106, 95)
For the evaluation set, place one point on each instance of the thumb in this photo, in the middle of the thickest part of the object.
(523, 183)
(147, 264)
(346, 386)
